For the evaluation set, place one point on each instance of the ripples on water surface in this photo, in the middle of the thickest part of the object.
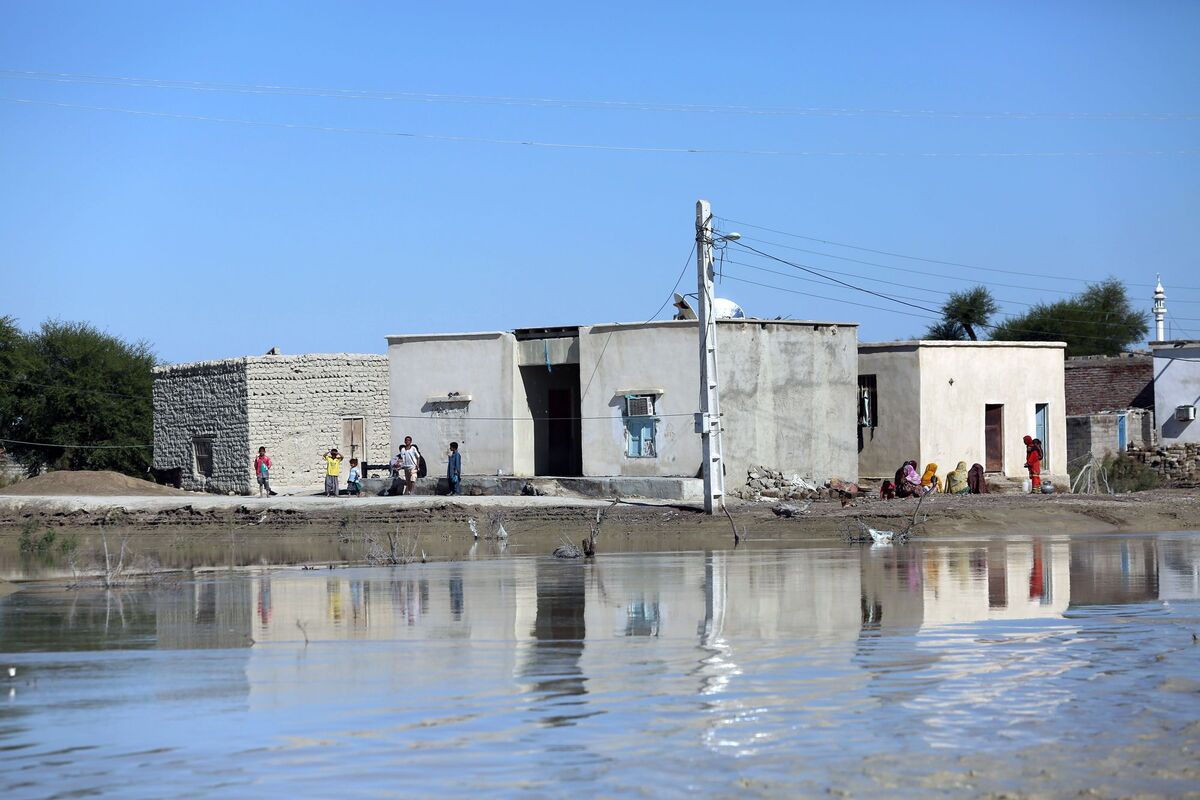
(950, 668)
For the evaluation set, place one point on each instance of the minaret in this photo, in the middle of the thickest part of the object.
(1160, 311)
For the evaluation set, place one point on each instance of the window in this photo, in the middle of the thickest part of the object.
(202, 454)
(868, 402)
(640, 426)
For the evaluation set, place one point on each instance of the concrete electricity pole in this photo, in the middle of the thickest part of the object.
(708, 421)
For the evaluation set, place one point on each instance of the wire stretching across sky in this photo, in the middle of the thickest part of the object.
(538, 143)
(616, 105)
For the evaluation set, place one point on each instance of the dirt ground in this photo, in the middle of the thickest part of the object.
(1158, 510)
(65, 483)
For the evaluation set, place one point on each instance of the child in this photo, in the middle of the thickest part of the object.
(333, 470)
(262, 470)
(353, 480)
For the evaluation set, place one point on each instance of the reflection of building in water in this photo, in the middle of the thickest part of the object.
(1008, 579)
(1111, 570)
(1179, 569)
(213, 612)
(551, 663)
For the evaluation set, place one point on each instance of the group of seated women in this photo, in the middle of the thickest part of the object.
(908, 483)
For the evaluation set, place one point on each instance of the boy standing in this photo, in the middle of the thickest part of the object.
(454, 469)
(409, 457)
(333, 470)
(354, 479)
(262, 471)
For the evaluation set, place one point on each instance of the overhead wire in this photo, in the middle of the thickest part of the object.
(894, 254)
(603, 104)
(536, 143)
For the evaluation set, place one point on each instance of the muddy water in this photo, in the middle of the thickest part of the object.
(1047, 666)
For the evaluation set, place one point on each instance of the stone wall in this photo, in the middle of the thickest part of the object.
(1177, 464)
(297, 406)
(205, 400)
(1108, 383)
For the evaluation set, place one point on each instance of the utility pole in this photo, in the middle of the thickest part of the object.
(708, 421)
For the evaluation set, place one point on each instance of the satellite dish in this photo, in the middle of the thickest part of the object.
(685, 310)
(727, 309)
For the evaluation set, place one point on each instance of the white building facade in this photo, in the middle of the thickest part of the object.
(943, 402)
(1177, 391)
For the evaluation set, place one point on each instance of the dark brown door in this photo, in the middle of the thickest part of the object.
(993, 438)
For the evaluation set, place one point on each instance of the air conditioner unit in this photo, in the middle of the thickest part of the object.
(639, 407)
(1185, 413)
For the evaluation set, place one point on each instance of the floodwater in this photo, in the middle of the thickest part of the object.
(1025, 665)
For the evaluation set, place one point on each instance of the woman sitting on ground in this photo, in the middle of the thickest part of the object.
(956, 480)
(930, 481)
(976, 481)
(908, 482)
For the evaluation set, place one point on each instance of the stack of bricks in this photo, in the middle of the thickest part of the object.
(1176, 464)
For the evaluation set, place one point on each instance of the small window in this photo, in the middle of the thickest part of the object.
(202, 452)
(640, 426)
(868, 402)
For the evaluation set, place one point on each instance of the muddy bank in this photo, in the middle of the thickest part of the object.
(1159, 510)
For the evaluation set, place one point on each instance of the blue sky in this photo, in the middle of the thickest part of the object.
(213, 239)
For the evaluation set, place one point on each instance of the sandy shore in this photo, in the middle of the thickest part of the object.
(1159, 510)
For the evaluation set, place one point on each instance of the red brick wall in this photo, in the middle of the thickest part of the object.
(1109, 384)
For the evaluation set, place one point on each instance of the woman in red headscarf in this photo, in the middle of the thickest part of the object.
(1033, 462)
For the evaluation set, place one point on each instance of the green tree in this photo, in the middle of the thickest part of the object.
(963, 313)
(85, 387)
(14, 370)
(1097, 321)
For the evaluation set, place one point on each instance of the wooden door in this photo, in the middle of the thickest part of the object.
(993, 438)
(354, 443)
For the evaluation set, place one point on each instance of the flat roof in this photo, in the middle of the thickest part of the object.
(943, 343)
(233, 360)
(1173, 343)
(559, 331)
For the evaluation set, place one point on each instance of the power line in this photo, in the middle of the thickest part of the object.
(602, 147)
(63, 387)
(824, 297)
(917, 258)
(82, 446)
(549, 102)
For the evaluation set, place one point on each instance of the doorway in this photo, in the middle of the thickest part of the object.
(1041, 418)
(993, 437)
(554, 404)
(354, 442)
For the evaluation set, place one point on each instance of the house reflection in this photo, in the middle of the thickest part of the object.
(551, 665)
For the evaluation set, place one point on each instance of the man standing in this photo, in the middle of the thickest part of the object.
(409, 458)
(454, 469)
(333, 470)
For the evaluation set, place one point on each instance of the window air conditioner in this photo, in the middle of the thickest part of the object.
(639, 407)
(1185, 413)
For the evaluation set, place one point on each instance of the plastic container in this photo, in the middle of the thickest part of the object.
(1027, 486)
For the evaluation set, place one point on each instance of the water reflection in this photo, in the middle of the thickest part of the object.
(753, 653)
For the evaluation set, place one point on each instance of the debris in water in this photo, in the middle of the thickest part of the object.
(474, 530)
(881, 537)
(12, 672)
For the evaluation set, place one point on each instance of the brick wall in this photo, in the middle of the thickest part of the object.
(1095, 384)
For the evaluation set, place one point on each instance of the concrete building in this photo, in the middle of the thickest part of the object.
(1110, 404)
(618, 400)
(945, 402)
(1177, 390)
(210, 417)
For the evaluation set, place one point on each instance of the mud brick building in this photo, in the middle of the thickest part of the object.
(210, 417)
(1110, 404)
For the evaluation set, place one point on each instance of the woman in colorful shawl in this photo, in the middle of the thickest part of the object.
(909, 484)
(956, 480)
(975, 479)
(930, 481)
(1033, 462)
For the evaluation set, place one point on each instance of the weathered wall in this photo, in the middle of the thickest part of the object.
(205, 398)
(1092, 435)
(1108, 383)
(787, 396)
(296, 406)
(959, 378)
(481, 366)
(1176, 383)
(617, 358)
(896, 438)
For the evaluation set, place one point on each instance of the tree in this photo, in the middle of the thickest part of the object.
(81, 386)
(1097, 321)
(963, 313)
